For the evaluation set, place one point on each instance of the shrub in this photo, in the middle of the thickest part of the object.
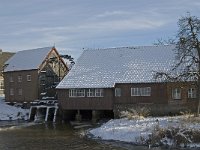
(178, 136)
(135, 113)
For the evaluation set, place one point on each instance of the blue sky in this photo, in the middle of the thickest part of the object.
(76, 24)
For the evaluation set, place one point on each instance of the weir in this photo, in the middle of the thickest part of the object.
(43, 110)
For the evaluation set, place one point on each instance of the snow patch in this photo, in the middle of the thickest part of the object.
(139, 131)
(8, 112)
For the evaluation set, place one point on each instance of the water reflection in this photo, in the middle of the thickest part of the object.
(25, 136)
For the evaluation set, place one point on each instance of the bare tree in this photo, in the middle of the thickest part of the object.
(161, 41)
(187, 52)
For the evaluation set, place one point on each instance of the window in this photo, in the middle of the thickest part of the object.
(98, 92)
(19, 91)
(95, 93)
(76, 93)
(176, 93)
(91, 93)
(145, 91)
(28, 77)
(135, 91)
(11, 91)
(192, 93)
(11, 79)
(118, 92)
(19, 78)
(80, 93)
(72, 93)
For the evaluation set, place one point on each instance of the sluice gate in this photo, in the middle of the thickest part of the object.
(43, 110)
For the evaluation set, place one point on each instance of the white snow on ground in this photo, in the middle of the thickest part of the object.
(8, 112)
(137, 131)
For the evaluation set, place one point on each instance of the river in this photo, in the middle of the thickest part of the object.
(61, 136)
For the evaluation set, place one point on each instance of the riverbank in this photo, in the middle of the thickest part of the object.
(8, 112)
(179, 131)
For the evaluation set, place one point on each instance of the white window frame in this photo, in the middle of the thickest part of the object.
(135, 92)
(19, 78)
(118, 92)
(72, 92)
(20, 92)
(176, 93)
(98, 92)
(80, 92)
(76, 92)
(11, 91)
(28, 77)
(142, 91)
(192, 93)
(91, 93)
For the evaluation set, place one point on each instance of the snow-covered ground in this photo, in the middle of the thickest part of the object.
(138, 131)
(8, 112)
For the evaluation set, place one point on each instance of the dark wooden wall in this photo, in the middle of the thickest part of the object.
(84, 103)
(158, 93)
(161, 95)
(29, 88)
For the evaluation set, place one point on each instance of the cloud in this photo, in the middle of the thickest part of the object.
(76, 24)
(105, 26)
(113, 13)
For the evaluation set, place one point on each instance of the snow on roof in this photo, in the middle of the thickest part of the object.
(27, 59)
(102, 68)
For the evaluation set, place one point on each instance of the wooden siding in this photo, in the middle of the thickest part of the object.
(29, 88)
(161, 95)
(184, 86)
(86, 103)
(158, 93)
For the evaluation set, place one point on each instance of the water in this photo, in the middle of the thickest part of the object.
(31, 136)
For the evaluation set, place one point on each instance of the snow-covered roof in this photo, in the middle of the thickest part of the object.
(27, 59)
(102, 68)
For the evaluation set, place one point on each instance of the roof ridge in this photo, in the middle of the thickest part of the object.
(35, 49)
(128, 47)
